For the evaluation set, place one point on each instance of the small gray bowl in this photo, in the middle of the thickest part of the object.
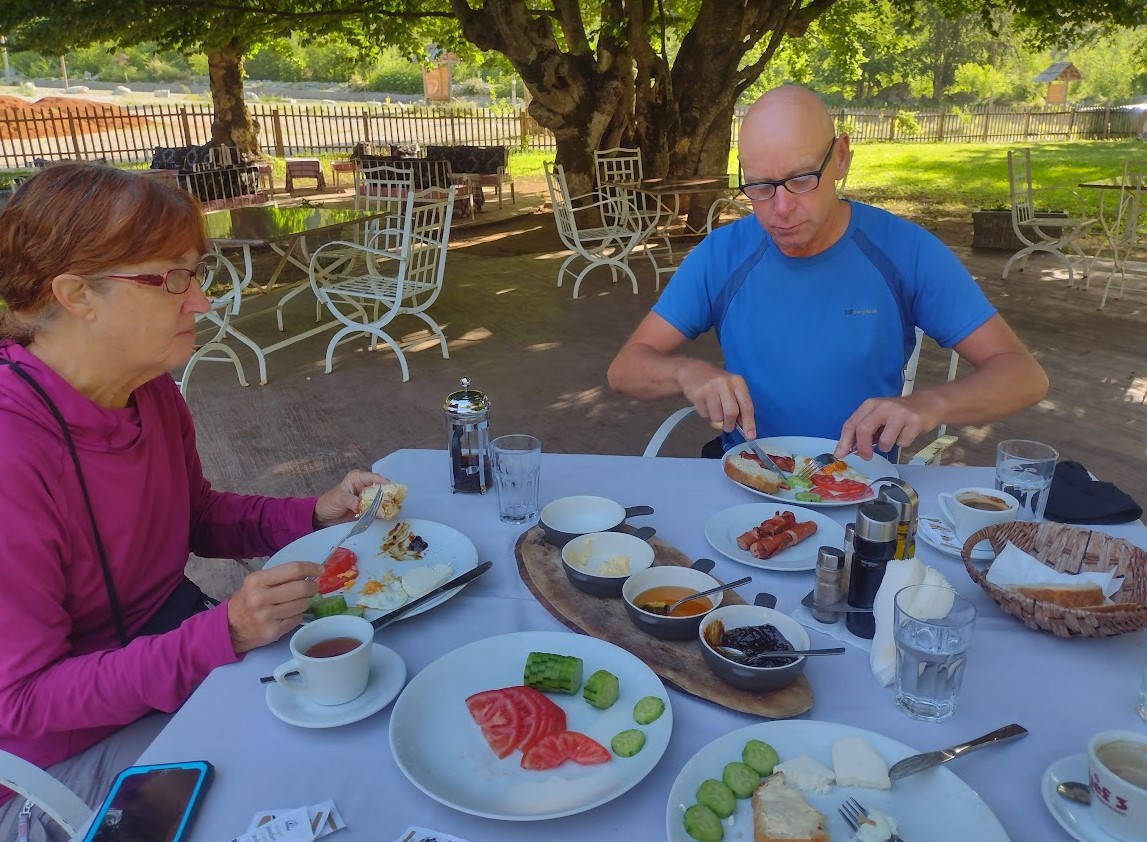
(658, 625)
(754, 678)
(584, 556)
(566, 518)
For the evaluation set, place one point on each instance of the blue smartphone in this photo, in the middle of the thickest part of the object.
(152, 803)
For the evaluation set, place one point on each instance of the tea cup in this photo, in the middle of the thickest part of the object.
(970, 509)
(1117, 776)
(330, 660)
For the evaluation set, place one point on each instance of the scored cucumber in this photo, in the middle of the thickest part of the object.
(602, 689)
(327, 606)
(552, 673)
(648, 710)
(627, 743)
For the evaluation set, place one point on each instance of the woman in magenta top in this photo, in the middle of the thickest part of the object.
(101, 273)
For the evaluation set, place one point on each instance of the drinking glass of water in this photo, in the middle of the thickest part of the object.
(933, 627)
(1024, 469)
(517, 464)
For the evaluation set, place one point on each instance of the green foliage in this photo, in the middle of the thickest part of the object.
(983, 82)
(392, 75)
(279, 60)
(906, 124)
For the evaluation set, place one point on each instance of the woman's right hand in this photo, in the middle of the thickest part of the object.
(270, 603)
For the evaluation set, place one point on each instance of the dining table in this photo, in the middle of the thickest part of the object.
(1062, 690)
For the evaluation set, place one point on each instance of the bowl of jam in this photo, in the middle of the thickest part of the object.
(745, 645)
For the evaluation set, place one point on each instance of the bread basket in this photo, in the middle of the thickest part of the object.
(1068, 549)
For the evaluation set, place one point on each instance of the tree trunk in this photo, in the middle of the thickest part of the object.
(232, 122)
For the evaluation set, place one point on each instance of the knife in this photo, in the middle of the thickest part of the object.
(760, 454)
(929, 760)
(457, 582)
(390, 617)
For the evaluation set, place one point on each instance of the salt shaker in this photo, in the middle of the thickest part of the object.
(829, 589)
(877, 524)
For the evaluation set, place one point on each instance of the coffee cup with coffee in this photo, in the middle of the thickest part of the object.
(971, 509)
(330, 660)
(1117, 775)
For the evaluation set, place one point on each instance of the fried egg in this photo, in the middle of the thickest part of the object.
(383, 594)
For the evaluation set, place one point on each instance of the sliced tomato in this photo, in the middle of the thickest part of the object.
(838, 486)
(499, 718)
(552, 751)
(540, 714)
(340, 561)
(329, 584)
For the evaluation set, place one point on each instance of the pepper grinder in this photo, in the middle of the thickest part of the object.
(468, 413)
(874, 545)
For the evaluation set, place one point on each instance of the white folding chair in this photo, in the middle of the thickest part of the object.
(224, 305)
(1054, 235)
(619, 173)
(31, 782)
(735, 205)
(606, 244)
(1127, 234)
(396, 272)
(929, 454)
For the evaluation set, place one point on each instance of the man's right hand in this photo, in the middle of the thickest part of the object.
(718, 396)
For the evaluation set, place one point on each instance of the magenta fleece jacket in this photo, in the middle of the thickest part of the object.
(65, 681)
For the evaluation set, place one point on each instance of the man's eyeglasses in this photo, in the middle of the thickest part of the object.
(175, 281)
(803, 183)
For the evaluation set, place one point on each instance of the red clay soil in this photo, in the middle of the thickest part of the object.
(52, 116)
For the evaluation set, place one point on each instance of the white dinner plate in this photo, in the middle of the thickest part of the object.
(810, 446)
(934, 531)
(442, 751)
(1072, 816)
(387, 674)
(724, 527)
(936, 806)
(444, 545)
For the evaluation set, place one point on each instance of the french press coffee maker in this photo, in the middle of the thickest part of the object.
(468, 413)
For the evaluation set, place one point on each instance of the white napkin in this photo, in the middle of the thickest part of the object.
(1015, 567)
(900, 573)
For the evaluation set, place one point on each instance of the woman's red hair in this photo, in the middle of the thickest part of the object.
(85, 220)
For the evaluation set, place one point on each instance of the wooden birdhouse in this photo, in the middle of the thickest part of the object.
(1057, 77)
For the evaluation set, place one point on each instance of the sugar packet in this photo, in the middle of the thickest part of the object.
(296, 824)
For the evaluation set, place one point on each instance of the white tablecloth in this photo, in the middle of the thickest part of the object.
(1061, 690)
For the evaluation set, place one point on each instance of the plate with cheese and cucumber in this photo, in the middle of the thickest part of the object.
(531, 725)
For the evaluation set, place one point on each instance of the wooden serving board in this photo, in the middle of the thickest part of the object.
(678, 662)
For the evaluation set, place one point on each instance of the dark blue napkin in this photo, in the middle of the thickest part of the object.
(1077, 498)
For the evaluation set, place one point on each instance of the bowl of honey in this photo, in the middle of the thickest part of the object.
(647, 592)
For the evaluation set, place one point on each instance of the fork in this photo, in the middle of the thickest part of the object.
(818, 463)
(854, 813)
(360, 525)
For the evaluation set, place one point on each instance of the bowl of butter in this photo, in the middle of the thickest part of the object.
(600, 562)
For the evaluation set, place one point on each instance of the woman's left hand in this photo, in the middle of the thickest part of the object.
(340, 504)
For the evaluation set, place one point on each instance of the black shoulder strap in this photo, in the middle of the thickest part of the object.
(113, 599)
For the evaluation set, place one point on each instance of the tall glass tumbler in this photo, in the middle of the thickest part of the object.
(932, 629)
(517, 463)
(1024, 469)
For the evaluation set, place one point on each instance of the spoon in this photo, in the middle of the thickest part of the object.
(836, 650)
(1074, 791)
(665, 608)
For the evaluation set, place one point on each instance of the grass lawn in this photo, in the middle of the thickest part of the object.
(931, 181)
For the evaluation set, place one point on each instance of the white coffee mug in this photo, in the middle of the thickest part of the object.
(331, 660)
(1117, 775)
(971, 509)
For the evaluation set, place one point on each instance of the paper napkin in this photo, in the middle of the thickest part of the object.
(1015, 567)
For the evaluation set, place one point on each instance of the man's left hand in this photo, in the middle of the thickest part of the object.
(340, 504)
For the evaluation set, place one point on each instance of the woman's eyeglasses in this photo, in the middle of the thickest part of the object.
(176, 281)
(803, 183)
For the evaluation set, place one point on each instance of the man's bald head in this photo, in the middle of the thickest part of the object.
(784, 116)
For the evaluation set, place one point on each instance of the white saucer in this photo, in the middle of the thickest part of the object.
(934, 531)
(1072, 816)
(387, 676)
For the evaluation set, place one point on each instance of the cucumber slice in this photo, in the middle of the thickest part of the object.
(741, 779)
(717, 796)
(703, 824)
(356, 611)
(552, 673)
(648, 710)
(627, 743)
(602, 689)
(760, 756)
(327, 606)
(807, 497)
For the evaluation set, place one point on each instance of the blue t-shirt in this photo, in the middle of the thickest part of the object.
(814, 337)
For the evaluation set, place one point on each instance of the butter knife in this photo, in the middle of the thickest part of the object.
(760, 454)
(929, 760)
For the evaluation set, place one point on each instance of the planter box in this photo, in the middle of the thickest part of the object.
(992, 229)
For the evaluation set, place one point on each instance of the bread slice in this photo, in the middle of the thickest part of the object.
(751, 473)
(1085, 595)
(857, 763)
(393, 493)
(781, 814)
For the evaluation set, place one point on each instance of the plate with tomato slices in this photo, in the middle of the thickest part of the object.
(844, 483)
(438, 743)
(362, 559)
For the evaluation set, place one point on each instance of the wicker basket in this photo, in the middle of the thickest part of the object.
(1068, 549)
